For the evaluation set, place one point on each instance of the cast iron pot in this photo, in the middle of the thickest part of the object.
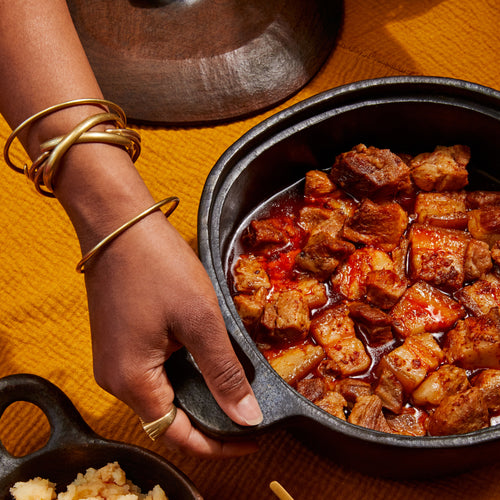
(73, 447)
(405, 114)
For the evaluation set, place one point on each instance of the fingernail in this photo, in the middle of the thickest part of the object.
(249, 411)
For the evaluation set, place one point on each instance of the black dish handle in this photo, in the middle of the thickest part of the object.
(278, 402)
(66, 424)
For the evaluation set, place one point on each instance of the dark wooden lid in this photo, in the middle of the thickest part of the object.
(193, 61)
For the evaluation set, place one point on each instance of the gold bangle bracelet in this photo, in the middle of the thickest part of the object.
(44, 169)
(174, 202)
(52, 109)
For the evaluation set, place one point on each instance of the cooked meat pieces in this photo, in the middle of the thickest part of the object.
(352, 388)
(410, 422)
(379, 225)
(423, 308)
(446, 380)
(489, 382)
(377, 295)
(268, 235)
(334, 330)
(481, 199)
(390, 391)
(413, 360)
(251, 306)
(311, 388)
(250, 274)
(484, 224)
(479, 297)
(333, 403)
(384, 288)
(318, 184)
(442, 170)
(475, 342)
(478, 261)
(351, 276)
(287, 316)
(447, 209)
(437, 256)
(371, 172)
(367, 412)
(296, 362)
(374, 323)
(322, 254)
(459, 414)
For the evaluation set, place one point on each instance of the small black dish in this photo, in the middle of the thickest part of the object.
(404, 114)
(73, 447)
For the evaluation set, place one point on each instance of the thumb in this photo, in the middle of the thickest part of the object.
(226, 380)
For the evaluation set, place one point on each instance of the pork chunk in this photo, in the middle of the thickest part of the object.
(375, 323)
(447, 209)
(413, 360)
(311, 217)
(296, 362)
(371, 172)
(333, 403)
(410, 422)
(250, 275)
(390, 391)
(484, 224)
(459, 414)
(475, 342)
(367, 412)
(287, 315)
(446, 380)
(322, 254)
(377, 224)
(495, 253)
(437, 256)
(384, 288)
(352, 389)
(481, 199)
(477, 260)
(423, 308)
(481, 296)
(251, 307)
(442, 170)
(334, 330)
(318, 184)
(311, 388)
(489, 382)
(351, 276)
(313, 291)
(267, 235)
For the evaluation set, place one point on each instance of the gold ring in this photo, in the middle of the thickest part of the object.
(158, 427)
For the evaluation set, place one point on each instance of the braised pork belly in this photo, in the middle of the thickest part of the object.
(376, 292)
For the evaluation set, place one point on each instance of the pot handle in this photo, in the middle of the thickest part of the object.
(275, 397)
(66, 423)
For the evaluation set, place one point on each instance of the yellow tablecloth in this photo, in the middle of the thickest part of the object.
(43, 317)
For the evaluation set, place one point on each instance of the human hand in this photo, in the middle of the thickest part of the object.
(148, 295)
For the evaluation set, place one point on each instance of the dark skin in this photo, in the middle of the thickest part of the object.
(100, 189)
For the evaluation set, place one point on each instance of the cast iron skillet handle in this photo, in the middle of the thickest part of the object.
(66, 424)
(192, 395)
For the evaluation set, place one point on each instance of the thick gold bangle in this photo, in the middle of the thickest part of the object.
(174, 202)
(44, 168)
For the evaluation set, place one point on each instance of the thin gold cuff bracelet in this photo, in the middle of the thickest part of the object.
(173, 200)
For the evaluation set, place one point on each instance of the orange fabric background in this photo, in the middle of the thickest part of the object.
(43, 318)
